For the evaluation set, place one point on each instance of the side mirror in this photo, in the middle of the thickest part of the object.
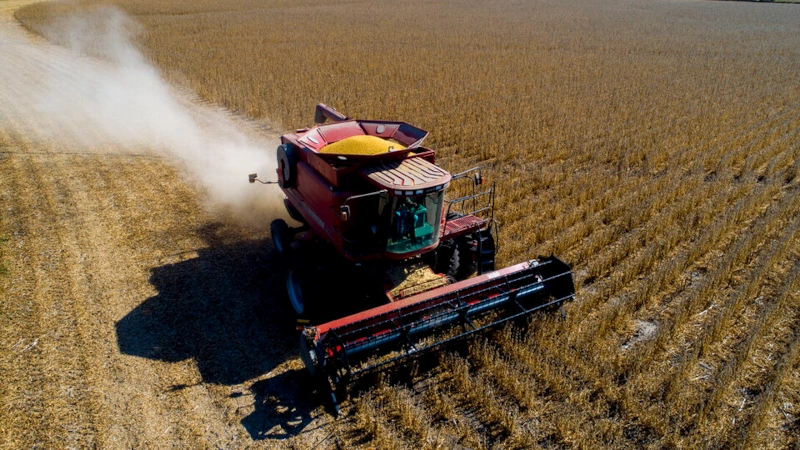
(253, 177)
(344, 213)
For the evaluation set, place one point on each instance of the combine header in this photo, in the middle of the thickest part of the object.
(411, 269)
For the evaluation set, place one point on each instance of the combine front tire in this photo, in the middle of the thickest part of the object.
(297, 294)
(447, 258)
(467, 255)
(281, 236)
(486, 251)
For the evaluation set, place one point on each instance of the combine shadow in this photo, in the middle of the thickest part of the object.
(283, 406)
(224, 309)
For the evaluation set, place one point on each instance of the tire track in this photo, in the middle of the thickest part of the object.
(132, 414)
(98, 230)
(55, 392)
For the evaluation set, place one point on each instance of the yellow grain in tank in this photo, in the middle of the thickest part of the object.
(361, 145)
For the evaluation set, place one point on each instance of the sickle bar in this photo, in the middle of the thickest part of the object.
(342, 350)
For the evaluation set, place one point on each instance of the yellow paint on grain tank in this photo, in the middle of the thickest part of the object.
(362, 145)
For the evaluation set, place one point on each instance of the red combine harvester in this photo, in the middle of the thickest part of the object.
(401, 262)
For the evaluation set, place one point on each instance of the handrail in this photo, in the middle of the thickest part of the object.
(477, 206)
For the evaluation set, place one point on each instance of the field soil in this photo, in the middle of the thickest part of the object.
(131, 315)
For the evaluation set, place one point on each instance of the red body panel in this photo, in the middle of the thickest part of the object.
(324, 182)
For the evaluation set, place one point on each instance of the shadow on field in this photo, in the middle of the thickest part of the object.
(224, 309)
(283, 406)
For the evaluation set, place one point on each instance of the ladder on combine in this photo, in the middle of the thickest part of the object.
(474, 210)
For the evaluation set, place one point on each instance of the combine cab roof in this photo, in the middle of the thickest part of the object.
(410, 176)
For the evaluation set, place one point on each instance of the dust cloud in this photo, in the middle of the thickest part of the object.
(97, 93)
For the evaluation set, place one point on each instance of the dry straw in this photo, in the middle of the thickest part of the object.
(654, 146)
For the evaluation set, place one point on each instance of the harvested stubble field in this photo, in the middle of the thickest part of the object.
(654, 145)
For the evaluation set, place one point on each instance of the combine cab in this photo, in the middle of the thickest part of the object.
(406, 268)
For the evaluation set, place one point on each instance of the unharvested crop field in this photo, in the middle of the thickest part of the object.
(653, 145)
